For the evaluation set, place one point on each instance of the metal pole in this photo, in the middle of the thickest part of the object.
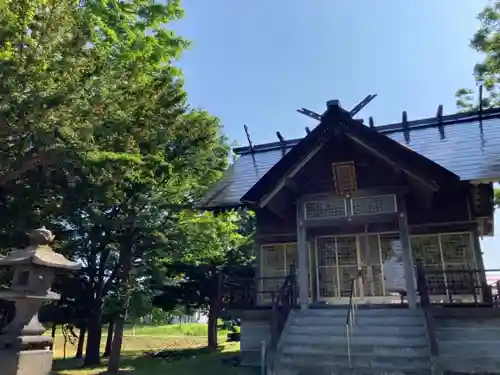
(348, 335)
(263, 358)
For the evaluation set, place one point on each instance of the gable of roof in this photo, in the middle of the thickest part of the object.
(335, 122)
(466, 144)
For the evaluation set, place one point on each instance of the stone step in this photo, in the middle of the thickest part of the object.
(464, 365)
(466, 323)
(359, 321)
(340, 330)
(357, 361)
(341, 349)
(482, 334)
(362, 312)
(360, 338)
(284, 369)
(469, 349)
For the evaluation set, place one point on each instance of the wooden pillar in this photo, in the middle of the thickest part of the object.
(404, 235)
(303, 258)
(478, 257)
(313, 268)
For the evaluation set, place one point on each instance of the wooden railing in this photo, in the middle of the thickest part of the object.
(425, 302)
(460, 286)
(250, 292)
(495, 293)
(283, 302)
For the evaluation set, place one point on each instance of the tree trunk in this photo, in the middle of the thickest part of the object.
(92, 351)
(116, 346)
(212, 329)
(81, 342)
(213, 310)
(53, 334)
(109, 338)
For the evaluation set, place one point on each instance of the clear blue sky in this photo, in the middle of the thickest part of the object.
(255, 61)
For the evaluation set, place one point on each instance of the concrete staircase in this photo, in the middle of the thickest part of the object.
(384, 341)
(468, 345)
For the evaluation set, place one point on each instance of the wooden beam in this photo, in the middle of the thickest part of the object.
(439, 113)
(303, 259)
(250, 145)
(267, 198)
(282, 142)
(280, 205)
(371, 122)
(280, 137)
(439, 118)
(394, 164)
(406, 129)
(404, 235)
(481, 108)
(291, 185)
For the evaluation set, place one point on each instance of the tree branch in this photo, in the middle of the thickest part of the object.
(30, 163)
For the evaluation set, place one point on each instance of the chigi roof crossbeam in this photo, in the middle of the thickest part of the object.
(357, 108)
(431, 122)
(466, 150)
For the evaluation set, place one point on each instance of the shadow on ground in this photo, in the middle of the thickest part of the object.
(179, 362)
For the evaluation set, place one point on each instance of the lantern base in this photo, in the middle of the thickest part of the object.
(26, 362)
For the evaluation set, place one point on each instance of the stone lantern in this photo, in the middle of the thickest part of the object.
(23, 348)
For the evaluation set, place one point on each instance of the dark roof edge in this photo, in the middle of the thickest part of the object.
(387, 129)
(221, 207)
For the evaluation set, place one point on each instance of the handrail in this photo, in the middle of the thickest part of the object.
(350, 319)
(425, 302)
(284, 301)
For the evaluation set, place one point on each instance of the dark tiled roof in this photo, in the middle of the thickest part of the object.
(467, 149)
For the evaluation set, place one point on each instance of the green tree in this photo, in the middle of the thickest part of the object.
(100, 142)
(486, 72)
(217, 244)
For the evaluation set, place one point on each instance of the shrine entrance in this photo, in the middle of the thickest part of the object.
(340, 258)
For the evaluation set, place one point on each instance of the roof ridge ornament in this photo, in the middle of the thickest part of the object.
(282, 143)
(336, 103)
(406, 128)
(439, 118)
(333, 103)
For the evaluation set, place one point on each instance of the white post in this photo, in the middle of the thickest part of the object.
(303, 258)
(263, 358)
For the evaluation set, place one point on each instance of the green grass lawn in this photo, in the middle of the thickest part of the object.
(187, 329)
(186, 343)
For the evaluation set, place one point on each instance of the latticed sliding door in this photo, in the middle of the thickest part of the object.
(327, 275)
(458, 259)
(370, 260)
(276, 262)
(347, 259)
(273, 269)
(427, 250)
(336, 265)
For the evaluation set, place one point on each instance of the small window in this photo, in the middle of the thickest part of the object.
(344, 177)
